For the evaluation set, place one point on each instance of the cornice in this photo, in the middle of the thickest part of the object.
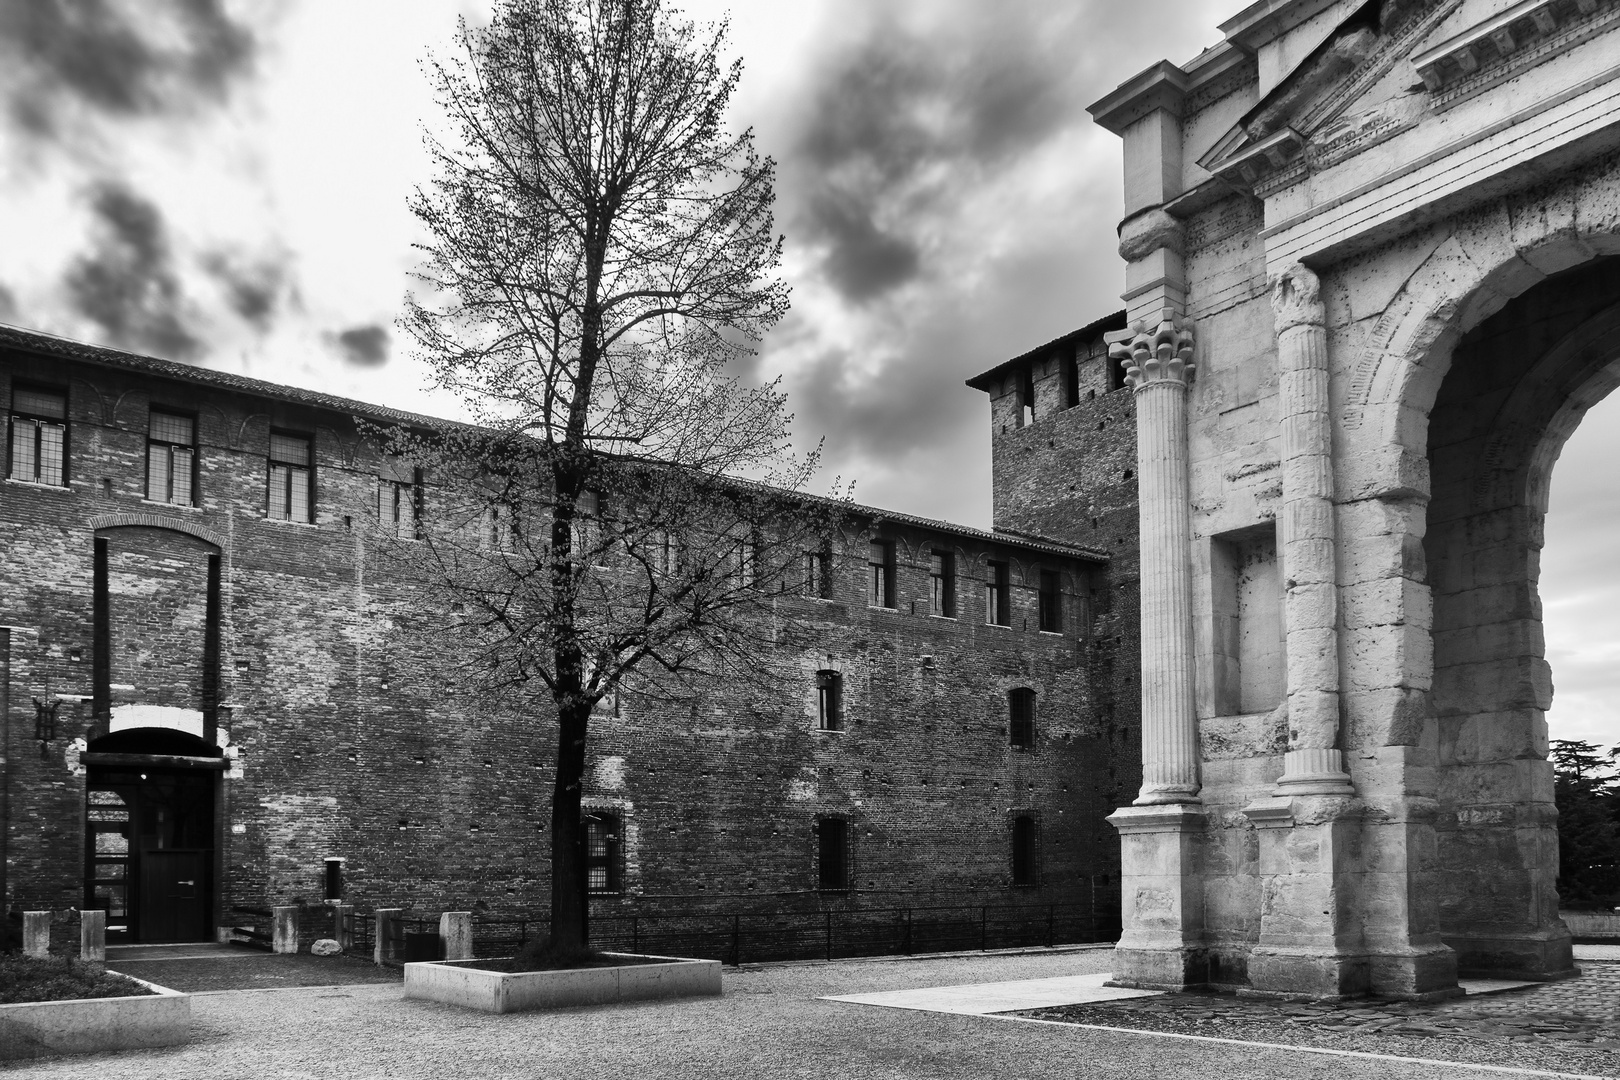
(1162, 86)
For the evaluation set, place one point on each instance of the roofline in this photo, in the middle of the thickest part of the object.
(50, 345)
(1267, 20)
(985, 380)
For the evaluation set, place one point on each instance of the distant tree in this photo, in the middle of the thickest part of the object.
(1587, 793)
(599, 248)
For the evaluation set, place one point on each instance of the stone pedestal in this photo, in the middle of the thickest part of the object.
(1161, 898)
(455, 931)
(37, 934)
(93, 936)
(284, 929)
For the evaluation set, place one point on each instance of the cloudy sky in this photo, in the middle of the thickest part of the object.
(224, 182)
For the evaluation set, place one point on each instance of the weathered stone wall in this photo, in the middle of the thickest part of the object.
(348, 738)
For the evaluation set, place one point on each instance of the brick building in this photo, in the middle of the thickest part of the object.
(193, 557)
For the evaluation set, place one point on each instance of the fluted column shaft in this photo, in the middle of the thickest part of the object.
(1307, 537)
(1158, 362)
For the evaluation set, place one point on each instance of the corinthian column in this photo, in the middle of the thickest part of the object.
(1158, 364)
(1306, 538)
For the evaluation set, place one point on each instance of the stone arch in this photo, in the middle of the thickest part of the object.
(103, 522)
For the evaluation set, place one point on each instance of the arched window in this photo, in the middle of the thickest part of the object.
(1021, 717)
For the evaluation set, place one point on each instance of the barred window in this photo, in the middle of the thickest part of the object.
(291, 478)
(1025, 851)
(830, 700)
(399, 501)
(882, 574)
(997, 608)
(832, 862)
(1021, 717)
(38, 443)
(171, 458)
(602, 853)
(942, 583)
(817, 584)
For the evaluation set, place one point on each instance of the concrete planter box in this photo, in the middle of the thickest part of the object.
(95, 1025)
(464, 983)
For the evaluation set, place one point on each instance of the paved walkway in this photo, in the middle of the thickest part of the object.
(772, 1022)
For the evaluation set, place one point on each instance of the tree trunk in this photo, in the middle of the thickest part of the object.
(569, 926)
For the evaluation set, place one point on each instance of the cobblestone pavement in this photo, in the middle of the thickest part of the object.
(1570, 1026)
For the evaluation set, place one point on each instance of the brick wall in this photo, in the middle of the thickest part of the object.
(347, 737)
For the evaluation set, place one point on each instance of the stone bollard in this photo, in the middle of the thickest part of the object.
(37, 933)
(284, 930)
(93, 936)
(455, 931)
(390, 935)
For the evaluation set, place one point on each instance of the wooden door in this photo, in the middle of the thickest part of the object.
(174, 894)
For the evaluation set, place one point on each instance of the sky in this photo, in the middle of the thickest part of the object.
(224, 182)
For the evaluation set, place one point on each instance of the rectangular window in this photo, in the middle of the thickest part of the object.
(1071, 379)
(942, 583)
(997, 609)
(832, 863)
(1025, 864)
(817, 583)
(1051, 602)
(38, 436)
(292, 486)
(830, 700)
(882, 574)
(1026, 396)
(399, 507)
(602, 847)
(1021, 717)
(171, 458)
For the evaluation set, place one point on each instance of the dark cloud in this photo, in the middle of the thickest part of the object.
(909, 112)
(116, 58)
(126, 284)
(254, 288)
(364, 346)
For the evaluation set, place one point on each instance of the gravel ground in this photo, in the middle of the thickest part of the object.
(1570, 1026)
(769, 1023)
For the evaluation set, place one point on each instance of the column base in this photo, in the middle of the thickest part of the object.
(1174, 969)
(1161, 898)
(1314, 772)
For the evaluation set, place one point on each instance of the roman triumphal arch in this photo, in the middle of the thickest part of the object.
(1373, 283)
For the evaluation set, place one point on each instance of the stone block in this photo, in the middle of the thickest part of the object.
(326, 947)
(456, 931)
(1384, 601)
(37, 933)
(93, 935)
(284, 929)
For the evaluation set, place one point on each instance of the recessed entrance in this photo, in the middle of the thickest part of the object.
(150, 834)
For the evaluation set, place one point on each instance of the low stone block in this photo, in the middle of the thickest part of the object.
(326, 947)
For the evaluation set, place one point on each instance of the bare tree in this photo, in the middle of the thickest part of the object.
(600, 247)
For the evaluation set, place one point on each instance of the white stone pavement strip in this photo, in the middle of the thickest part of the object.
(980, 999)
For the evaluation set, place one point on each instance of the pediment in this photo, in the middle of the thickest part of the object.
(1383, 70)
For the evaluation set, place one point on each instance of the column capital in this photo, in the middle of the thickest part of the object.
(1154, 353)
(1296, 298)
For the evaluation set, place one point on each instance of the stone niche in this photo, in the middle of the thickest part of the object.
(1248, 634)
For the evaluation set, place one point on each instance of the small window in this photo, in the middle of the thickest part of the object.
(292, 479)
(1021, 717)
(496, 528)
(817, 581)
(1025, 852)
(1051, 602)
(832, 863)
(882, 574)
(1071, 379)
(38, 445)
(1026, 395)
(751, 561)
(333, 881)
(942, 583)
(171, 458)
(602, 848)
(997, 610)
(399, 504)
(830, 700)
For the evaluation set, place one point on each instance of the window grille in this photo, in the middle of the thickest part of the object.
(38, 436)
(171, 458)
(817, 582)
(830, 700)
(602, 853)
(1051, 602)
(1021, 717)
(832, 863)
(997, 609)
(399, 501)
(942, 584)
(291, 483)
(881, 562)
